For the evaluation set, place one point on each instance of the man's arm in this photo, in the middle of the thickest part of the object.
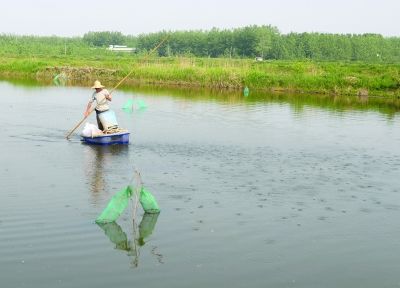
(87, 111)
(108, 96)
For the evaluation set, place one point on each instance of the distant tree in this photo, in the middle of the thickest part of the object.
(278, 48)
(104, 38)
(245, 41)
(265, 35)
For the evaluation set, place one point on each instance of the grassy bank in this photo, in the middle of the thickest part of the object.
(343, 78)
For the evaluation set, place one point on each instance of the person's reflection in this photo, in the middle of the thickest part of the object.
(140, 236)
(97, 160)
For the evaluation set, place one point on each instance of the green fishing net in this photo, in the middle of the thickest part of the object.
(120, 201)
(60, 79)
(141, 104)
(146, 227)
(128, 106)
(116, 235)
(148, 202)
(246, 91)
(132, 104)
(116, 206)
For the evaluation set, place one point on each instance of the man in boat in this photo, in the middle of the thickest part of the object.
(102, 97)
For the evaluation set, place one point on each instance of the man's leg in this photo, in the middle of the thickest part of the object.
(99, 122)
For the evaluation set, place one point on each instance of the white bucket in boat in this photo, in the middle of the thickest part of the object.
(108, 119)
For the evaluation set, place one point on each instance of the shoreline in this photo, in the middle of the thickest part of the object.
(326, 78)
(386, 105)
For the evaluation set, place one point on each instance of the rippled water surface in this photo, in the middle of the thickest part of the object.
(256, 192)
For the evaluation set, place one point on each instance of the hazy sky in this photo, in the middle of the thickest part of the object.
(73, 17)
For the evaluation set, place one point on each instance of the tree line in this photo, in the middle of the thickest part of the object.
(245, 42)
(267, 42)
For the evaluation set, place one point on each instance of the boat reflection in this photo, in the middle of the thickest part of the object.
(99, 159)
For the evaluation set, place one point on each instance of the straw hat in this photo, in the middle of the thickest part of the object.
(97, 84)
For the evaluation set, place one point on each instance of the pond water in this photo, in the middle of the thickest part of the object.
(264, 191)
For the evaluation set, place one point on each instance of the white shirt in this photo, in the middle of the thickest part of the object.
(101, 100)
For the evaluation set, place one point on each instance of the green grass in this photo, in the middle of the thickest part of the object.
(345, 78)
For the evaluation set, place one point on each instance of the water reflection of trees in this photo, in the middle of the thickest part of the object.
(140, 236)
(386, 105)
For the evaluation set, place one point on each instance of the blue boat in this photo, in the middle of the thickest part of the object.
(108, 139)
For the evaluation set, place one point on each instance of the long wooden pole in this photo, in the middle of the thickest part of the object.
(116, 86)
(77, 125)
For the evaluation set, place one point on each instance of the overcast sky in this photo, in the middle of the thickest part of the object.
(74, 18)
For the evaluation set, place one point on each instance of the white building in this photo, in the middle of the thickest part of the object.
(120, 48)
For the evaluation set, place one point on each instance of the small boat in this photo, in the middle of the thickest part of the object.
(108, 139)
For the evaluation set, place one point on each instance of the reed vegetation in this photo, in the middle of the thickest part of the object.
(45, 57)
